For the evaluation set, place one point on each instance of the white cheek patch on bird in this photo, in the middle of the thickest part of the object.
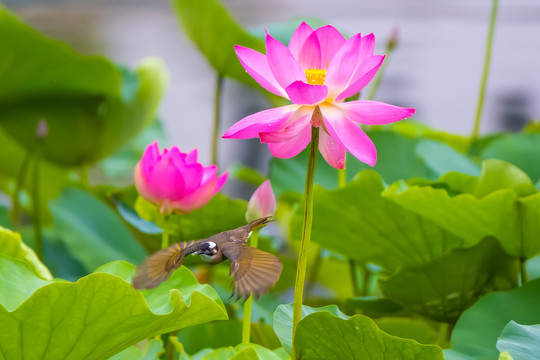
(254, 271)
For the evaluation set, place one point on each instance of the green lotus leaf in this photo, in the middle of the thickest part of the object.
(522, 150)
(522, 342)
(11, 245)
(445, 287)
(12, 157)
(150, 351)
(477, 330)
(398, 157)
(503, 203)
(132, 217)
(357, 222)
(220, 214)
(90, 105)
(372, 306)
(322, 335)
(99, 315)
(415, 129)
(240, 352)
(18, 282)
(442, 158)
(408, 328)
(210, 26)
(225, 333)
(283, 320)
(92, 231)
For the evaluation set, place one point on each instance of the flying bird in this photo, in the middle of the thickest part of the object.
(253, 270)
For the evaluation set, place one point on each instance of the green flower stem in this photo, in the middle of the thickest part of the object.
(523, 271)
(342, 176)
(217, 118)
(390, 46)
(165, 235)
(444, 335)
(169, 352)
(84, 175)
(306, 230)
(365, 280)
(485, 73)
(36, 221)
(21, 175)
(246, 327)
(353, 270)
(314, 272)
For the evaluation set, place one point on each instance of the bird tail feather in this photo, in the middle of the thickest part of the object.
(260, 223)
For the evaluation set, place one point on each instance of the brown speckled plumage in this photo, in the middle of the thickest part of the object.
(253, 270)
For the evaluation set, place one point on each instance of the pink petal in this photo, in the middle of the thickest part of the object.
(284, 66)
(374, 112)
(349, 134)
(367, 46)
(192, 156)
(330, 40)
(209, 172)
(343, 66)
(221, 180)
(201, 195)
(267, 120)
(165, 181)
(310, 54)
(294, 125)
(256, 65)
(141, 185)
(292, 147)
(178, 157)
(262, 203)
(364, 74)
(301, 93)
(149, 158)
(193, 175)
(297, 40)
(332, 150)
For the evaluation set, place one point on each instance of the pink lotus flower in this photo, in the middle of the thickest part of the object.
(318, 68)
(262, 203)
(175, 181)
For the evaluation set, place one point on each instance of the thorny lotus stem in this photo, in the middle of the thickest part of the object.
(485, 73)
(246, 327)
(217, 117)
(165, 235)
(306, 231)
(21, 175)
(36, 221)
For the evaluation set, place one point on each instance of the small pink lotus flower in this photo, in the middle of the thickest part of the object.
(318, 68)
(175, 181)
(262, 202)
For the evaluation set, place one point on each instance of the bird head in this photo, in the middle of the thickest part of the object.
(208, 251)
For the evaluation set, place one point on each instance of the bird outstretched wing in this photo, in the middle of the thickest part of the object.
(254, 271)
(158, 267)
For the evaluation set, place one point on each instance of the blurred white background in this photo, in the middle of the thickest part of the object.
(435, 69)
